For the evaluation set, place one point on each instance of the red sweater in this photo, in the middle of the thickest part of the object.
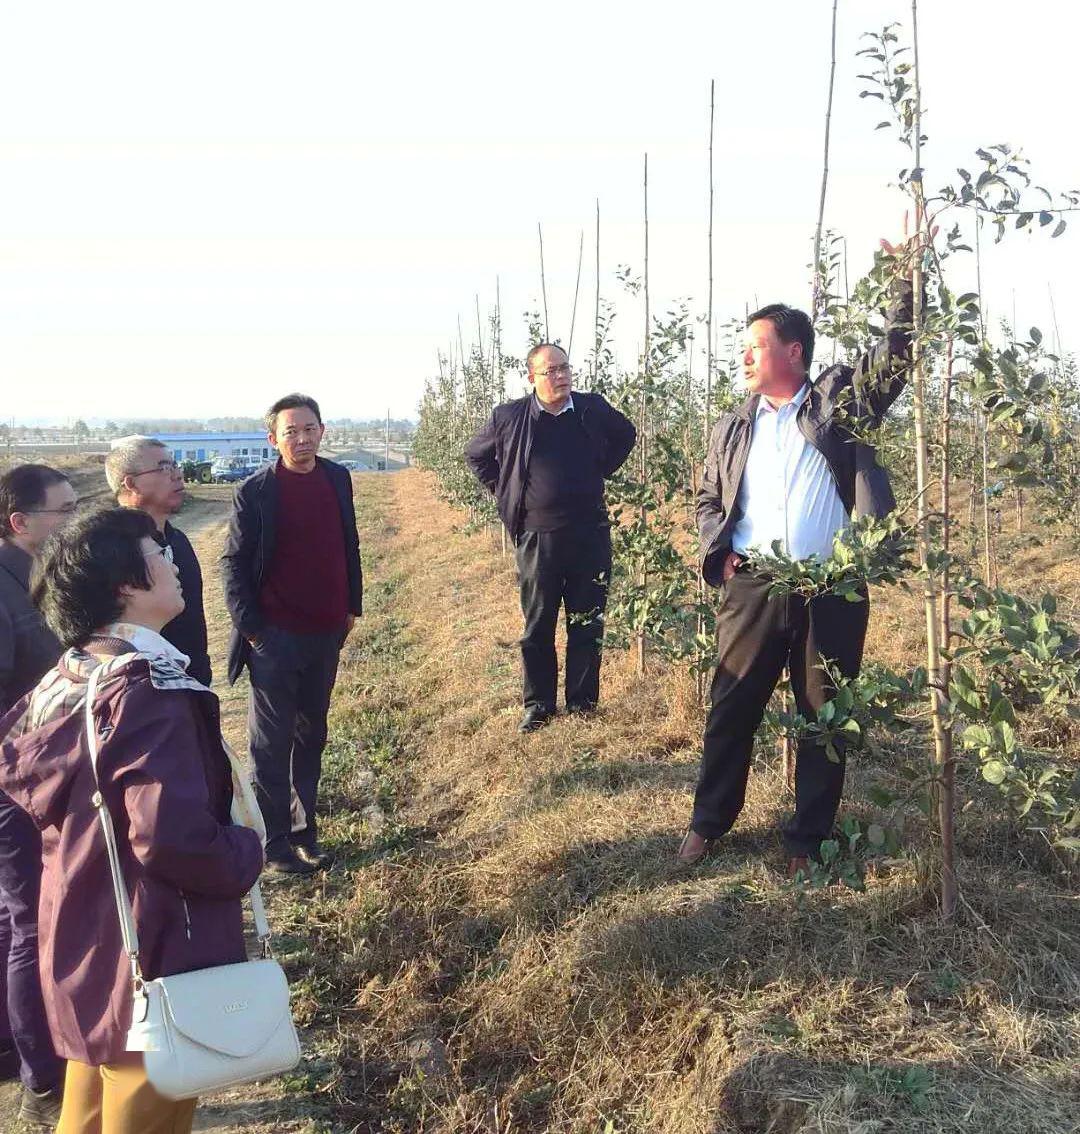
(306, 589)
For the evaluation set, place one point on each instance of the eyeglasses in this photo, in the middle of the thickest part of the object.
(165, 552)
(66, 510)
(161, 466)
(563, 370)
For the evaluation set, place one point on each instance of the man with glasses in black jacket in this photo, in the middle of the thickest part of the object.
(545, 457)
(35, 500)
(142, 474)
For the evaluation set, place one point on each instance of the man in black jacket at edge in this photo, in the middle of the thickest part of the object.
(545, 457)
(786, 467)
(142, 474)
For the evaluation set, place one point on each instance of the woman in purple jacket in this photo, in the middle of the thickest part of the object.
(106, 589)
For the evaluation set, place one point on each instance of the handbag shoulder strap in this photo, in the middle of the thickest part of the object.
(128, 930)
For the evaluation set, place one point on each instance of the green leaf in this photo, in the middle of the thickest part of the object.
(1008, 736)
(976, 736)
(875, 835)
(1059, 229)
(1002, 711)
(994, 772)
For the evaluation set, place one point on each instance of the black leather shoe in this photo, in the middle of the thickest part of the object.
(288, 862)
(536, 716)
(313, 855)
(41, 1108)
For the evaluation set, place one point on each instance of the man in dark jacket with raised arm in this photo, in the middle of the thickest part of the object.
(545, 457)
(293, 586)
(786, 467)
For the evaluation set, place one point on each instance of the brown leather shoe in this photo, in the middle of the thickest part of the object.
(800, 864)
(693, 849)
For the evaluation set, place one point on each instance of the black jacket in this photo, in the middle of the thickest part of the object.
(865, 391)
(28, 648)
(249, 550)
(499, 453)
(187, 631)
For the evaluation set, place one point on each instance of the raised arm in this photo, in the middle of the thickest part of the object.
(882, 372)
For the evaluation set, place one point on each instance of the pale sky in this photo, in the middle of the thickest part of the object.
(206, 205)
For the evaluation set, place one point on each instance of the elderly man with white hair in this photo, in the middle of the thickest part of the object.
(142, 474)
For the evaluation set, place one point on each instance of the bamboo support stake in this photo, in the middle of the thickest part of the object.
(577, 288)
(543, 281)
(819, 286)
(709, 314)
(943, 763)
(643, 443)
(946, 503)
(596, 309)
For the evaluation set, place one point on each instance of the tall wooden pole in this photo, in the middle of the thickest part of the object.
(709, 313)
(543, 281)
(577, 288)
(643, 441)
(943, 764)
(817, 295)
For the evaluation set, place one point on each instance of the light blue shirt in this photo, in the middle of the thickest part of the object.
(787, 492)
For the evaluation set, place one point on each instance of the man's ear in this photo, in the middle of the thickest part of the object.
(18, 522)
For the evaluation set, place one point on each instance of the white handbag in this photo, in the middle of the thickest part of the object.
(208, 1029)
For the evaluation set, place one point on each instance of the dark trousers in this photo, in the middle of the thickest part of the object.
(758, 636)
(571, 567)
(22, 1011)
(292, 677)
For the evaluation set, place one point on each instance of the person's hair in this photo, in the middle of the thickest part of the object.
(22, 489)
(126, 458)
(291, 401)
(84, 565)
(792, 326)
(534, 351)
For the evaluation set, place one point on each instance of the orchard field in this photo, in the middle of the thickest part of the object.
(505, 943)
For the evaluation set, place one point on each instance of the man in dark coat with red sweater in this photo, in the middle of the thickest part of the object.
(545, 457)
(293, 586)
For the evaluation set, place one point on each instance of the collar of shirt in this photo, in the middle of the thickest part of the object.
(764, 405)
(557, 413)
(147, 641)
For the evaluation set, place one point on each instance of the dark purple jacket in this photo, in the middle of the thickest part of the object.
(168, 785)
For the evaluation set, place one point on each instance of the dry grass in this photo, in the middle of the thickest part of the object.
(528, 959)
(505, 946)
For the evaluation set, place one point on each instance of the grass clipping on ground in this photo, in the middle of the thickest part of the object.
(505, 944)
